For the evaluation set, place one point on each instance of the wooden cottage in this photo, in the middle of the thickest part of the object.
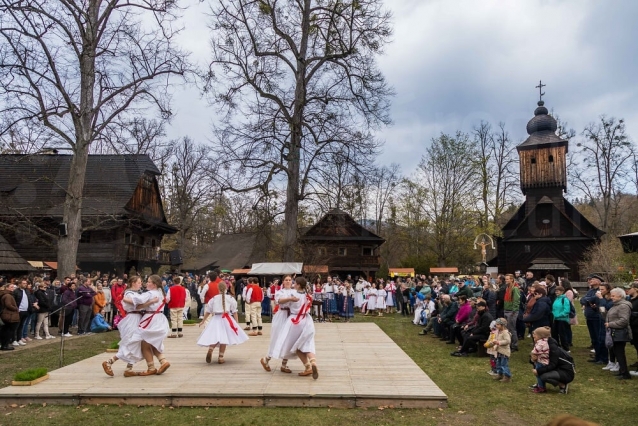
(547, 234)
(229, 251)
(122, 213)
(11, 263)
(346, 247)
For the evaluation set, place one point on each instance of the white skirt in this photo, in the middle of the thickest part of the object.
(372, 303)
(129, 352)
(380, 303)
(219, 331)
(278, 323)
(294, 337)
(389, 300)
(358, 299)
(154, 334)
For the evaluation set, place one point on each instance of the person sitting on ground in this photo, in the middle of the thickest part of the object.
(99, 324)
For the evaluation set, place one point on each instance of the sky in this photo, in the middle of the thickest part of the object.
(454, 63)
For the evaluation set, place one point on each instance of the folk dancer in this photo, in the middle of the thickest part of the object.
(153, 327)
(283, 298)
(381, 298)
(127, 351)
(223, 329)
(297, 337)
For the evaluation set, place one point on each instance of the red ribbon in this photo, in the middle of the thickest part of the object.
(303, 311)
(230, 321)
(147, 321)
(276, 309)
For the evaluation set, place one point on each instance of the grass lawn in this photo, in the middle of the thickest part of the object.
(474, 398)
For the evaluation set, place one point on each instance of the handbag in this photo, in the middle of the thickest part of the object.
(609, 341)
(620, 335)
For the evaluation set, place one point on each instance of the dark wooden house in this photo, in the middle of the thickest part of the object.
(338, 241)
(547, 234)
(122, 213)
(229, 251)
(11, 263)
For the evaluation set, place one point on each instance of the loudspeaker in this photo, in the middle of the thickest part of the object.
(176, 257)
(62, 230)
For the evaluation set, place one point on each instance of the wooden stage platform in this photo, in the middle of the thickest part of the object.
(359, 366)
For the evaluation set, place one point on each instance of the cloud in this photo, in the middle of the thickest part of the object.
(454, 63)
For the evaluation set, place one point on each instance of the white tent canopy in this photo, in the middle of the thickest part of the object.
(276, 268)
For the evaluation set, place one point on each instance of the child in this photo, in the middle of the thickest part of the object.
(540, 355)
(502, 341)
(381, 296)
(371, 298)
(491, 350)
(223, 328)
(420, 306)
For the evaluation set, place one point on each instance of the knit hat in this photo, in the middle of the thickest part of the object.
(543, 332)
(501, 321)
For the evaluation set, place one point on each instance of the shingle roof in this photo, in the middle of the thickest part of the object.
(36, 183)
(339, 225)
(10, 260)
(542, 131)
(230, 251)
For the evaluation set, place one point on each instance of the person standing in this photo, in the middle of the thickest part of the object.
(10, 316)
(43, 312)
(283, 298)
(617, 321)
(108, 311)
(595, 323)
(511, 305)
(22, 302)
(117, 293)
(85, 306)
(254, 297)
(69, 302)
(560, 311)
(176, 299)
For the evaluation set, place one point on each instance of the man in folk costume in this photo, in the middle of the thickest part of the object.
(176, 299)
(511, 305)
(213, 286)
(254, 297)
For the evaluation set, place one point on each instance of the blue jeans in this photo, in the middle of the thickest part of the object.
(503, 365)
(25, 328)
(539, 382)
(596, 329)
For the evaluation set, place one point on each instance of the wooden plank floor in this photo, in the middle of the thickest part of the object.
(359, 366)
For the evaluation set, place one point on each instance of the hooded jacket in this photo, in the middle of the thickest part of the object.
(10, 312)
(561, 308)
(540, 314)
(618, 316)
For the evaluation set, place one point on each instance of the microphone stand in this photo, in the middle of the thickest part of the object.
(62, 327)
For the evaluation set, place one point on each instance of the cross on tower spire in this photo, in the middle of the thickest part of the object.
(540, 89)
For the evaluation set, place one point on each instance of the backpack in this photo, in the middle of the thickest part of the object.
(572, 310)
(565, 358)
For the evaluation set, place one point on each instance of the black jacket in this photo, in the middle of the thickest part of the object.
(490, 298)
(483, 326)
(633, 320)
(540, 314)
(565, 371)
(43, 301)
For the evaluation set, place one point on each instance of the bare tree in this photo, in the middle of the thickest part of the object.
(448, 176)
(79, 69)
(604, 167)
(496, 172)
(383, 181)
(298, 80)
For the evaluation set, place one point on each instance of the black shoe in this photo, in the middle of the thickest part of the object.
(623, 377)
(514, 349)
(7, 348)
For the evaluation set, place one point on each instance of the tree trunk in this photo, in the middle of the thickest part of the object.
(83, 123)
(72, 216)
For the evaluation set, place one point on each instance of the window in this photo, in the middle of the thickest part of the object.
(322, 251)
(342, 251)
(367, 251)
(527, 248)
(533, 160)
(551, 158)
